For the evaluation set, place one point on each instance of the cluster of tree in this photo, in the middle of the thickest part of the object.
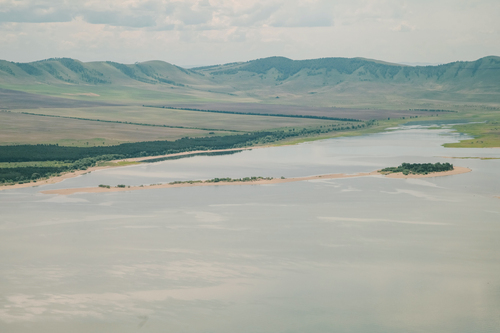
(219, 180)
(109, 186)
(47, 152)
(31, 173)
(86, 75)
(229, 180)
(259, 114)
(27, 174)
(419, 168)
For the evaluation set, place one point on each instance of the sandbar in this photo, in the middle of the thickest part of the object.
(69, 191)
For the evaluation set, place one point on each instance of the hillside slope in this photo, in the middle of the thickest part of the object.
(340, 79)
(277, 80)
(70, 71)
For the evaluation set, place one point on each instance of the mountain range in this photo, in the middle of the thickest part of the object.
(319, 82)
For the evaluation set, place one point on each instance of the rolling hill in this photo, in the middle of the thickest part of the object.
(276, 80)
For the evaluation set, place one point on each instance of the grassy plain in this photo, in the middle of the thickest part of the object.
(18, 128)
(486, 135)
(184, 118)
(484, 128)
(331, 87)
(134, 94)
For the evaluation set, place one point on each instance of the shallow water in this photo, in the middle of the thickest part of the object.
(366, 254)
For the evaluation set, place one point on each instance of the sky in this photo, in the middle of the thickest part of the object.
(206, 32)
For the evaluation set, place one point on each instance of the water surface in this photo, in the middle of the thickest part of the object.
(365, 254)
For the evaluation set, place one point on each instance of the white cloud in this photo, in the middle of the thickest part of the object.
(216, 31)
(403, 27)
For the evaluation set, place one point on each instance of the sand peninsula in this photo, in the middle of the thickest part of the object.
(255, 181)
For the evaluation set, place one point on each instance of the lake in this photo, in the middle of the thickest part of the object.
(367, 254)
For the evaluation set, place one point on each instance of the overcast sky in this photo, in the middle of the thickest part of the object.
(203, 32)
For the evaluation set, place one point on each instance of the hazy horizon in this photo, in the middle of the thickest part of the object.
(190, 66)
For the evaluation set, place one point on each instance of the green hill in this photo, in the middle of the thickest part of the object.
(66, 70)
(338, 80)
(322, 82)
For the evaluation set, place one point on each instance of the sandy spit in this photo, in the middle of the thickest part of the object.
(456, 171)
(257, 182)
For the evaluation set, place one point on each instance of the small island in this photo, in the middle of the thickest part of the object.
(418, 168)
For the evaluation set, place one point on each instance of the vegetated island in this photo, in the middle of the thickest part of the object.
(418, 171)
(423, 170)
(418, 168)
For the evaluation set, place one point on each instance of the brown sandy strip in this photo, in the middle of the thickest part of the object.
(457, 170)
(256, 182)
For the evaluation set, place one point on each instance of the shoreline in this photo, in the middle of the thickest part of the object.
(69, 191)
(291, 142)
(76, 173)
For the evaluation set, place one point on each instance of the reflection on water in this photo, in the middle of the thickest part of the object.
(346, 255)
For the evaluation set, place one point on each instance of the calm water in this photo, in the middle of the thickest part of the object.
(347, 255)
